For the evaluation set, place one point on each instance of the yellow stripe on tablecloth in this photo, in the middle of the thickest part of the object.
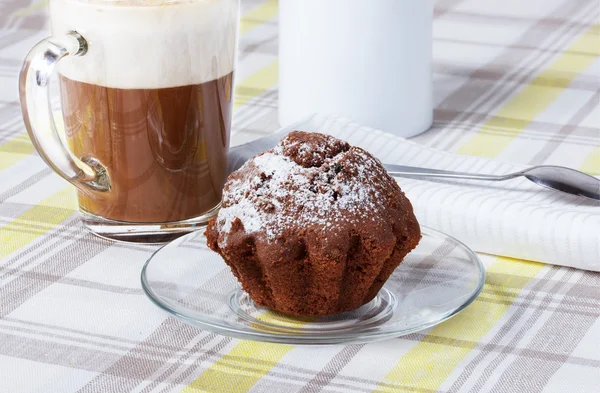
(47, 214)
(256, 84)
(588, 43)
(240, 369)
(247, 362)
(534, 98)
(31, 9)
(591, 164)
(258, 15)
(430, 362)
(15, 150)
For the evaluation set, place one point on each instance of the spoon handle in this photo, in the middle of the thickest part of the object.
(411, 171)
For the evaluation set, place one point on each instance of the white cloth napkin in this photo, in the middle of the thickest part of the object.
(515, 218)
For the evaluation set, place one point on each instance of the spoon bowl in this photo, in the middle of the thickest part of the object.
(566, 180)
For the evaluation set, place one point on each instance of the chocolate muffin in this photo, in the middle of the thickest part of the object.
(313, 226)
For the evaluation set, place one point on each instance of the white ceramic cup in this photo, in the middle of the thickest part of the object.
(369, 60)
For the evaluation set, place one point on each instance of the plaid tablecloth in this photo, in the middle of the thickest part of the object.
(515, 80)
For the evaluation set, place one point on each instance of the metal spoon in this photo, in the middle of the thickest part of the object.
(557, 178)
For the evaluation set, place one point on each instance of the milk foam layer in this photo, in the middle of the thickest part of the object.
(135, 46)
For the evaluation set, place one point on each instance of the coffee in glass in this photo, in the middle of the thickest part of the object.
(147, 93)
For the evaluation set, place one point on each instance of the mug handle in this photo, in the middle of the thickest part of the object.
(87, 174)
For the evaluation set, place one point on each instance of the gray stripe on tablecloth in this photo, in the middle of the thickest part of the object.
(532, 135)
(443, 7)
(551, 145)
(25, 184)
(427, 266)
(42, 327)
(10, 62)
(127, 371)
(22, 288)
(259, 128)
(123, 373)
(63, 231)
(9, 7)
(10, 211)
(77, 351)
(66, 355)
(503, 20)
(276, 378)
(210, 289)
(534, 355)
(592, 310)
(10, 69)
(264, 106)
(471, 91)
(51, 278)
(561, 333)
(12, 37)
(496, 72)
(10, 133)
(512, 281)
(551, 356)
(165, 377)
(12, 129)
(331, 370)
(535, 129)
(266, 45)
(96, 360)
(75, 340)
(503, 332)
(259, 101)
(49, 235)
(233, 363)
(214, 284)
(248, 5)
(7, 113)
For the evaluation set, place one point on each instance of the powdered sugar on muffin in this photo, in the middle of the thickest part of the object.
(306, 181)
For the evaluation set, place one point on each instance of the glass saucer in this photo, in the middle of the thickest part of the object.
(438, 279)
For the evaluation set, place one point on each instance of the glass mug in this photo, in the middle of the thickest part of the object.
(146, 92)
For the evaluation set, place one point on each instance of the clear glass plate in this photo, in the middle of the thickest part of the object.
(438, 279)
